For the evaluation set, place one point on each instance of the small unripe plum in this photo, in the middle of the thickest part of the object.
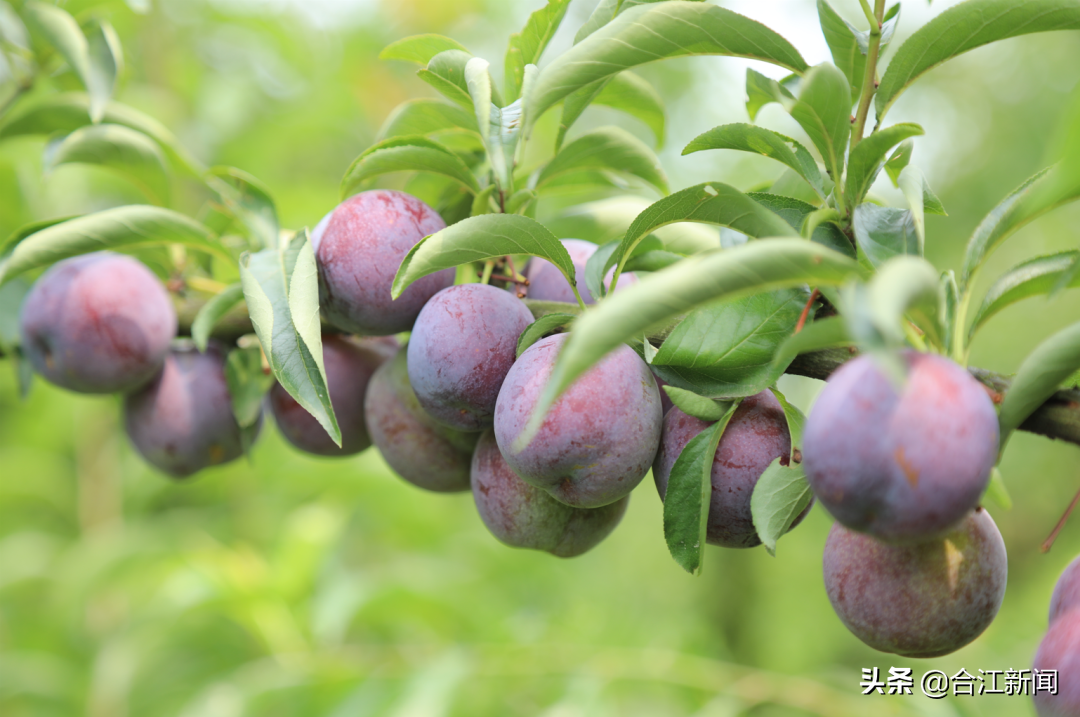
(1067, 591)
(599, 438)
(98, 323)
(182, 421)
(524, 516)
(349, 364)
(756, 436)
(904, 466)
(419, 449)
(546, 282)
(1060, 650)
(358, 248)
(921, 600)
(462, 345)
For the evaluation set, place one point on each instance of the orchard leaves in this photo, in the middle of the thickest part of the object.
(750, 138)
(281, 288)
(1041, 373)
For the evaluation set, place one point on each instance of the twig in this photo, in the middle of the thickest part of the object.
(1049, 542)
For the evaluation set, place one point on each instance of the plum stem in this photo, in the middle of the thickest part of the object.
(806, 311)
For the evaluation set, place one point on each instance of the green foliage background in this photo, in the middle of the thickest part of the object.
(296, 586)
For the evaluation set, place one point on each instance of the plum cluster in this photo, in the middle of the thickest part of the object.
(913, 565)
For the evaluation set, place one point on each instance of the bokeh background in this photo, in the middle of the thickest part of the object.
(288, 585)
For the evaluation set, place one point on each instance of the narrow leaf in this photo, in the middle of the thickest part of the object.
(750, 138)
(843, 43)
(406, 154)
(426, 117)
(281, 289)
(1038, 378)
(697, 280)
(120, 149)
(544, 326)
(815, 336)
(446, 73)
(527, 46)
(762, 90)
(248, 201)
(122, 227)
(1033, 277)
(608, 148)
(62, 31)
(479, 239)
(697, 406)
(823, 109)
(899, 159)
(868, 156)
(796, 423)
(420, 48)
(884, 232)
(630, 93)
(106, 58)
(905, 284)
(212, 312)
(964, 27)
(653, 32)
(804, 217)
(780, 495)
(247, 384)
(689, 494)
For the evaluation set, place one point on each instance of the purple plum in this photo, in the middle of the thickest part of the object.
(546, 282)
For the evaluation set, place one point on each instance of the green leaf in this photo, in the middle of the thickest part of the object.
(12, 295)
(781, 493)
(67, 111)
(692, 404)
(750, 138)
(211, 313)
(906, 285)
(63, 33)
(888, 28)
(27, 230)
(605, 12)
(689, 494)
(630, 93)
(597, 266)
(1038, 378)
(815, 336)
(119, 228)
(950, 307)
(823, 109)
(798, 213)
(964, 27)
(12, 29)
(446, 73)
(106, 57)
(609, 148)
(608, 219)
(499, 128)
(1033, 277)
(405, 154)
(652, 260)
(866, 159)
(248, 201)
(120, 149)
(884, 232)
(425, 117)
(544, 326)
(527, 46)
(1047, 190)
(762, 90)
(725, 350)
(916, 191)
(281, 287)
(712, 276)
(709, 203)
(420, 48)
(899, 159)
(843, 43)
(479, 239)
(796, 423)
(653, 32)
(247, 383)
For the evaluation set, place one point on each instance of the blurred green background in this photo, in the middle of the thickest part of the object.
(290, 586)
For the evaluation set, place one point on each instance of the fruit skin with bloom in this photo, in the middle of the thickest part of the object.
(349, 364)
(922, 600)
(417, 447)
(1066, 594)
(182, 421)
(756, 435)
(359, 247)
(1060, 651)
(903, 464)
(524, 516)
(546, 282)
(600, 436)
(97, 323)
(461, 347)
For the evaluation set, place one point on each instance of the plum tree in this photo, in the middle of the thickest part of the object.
(921, 600)
(358, 248)
(524, 516)
(1060, 651)
(419, 449)
(182, 421)
(903, 465)
(97, 323)
(756, 436)
(599, 438)
(463, 344)
(349, 364)
(1066, 594)
(546, 282)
